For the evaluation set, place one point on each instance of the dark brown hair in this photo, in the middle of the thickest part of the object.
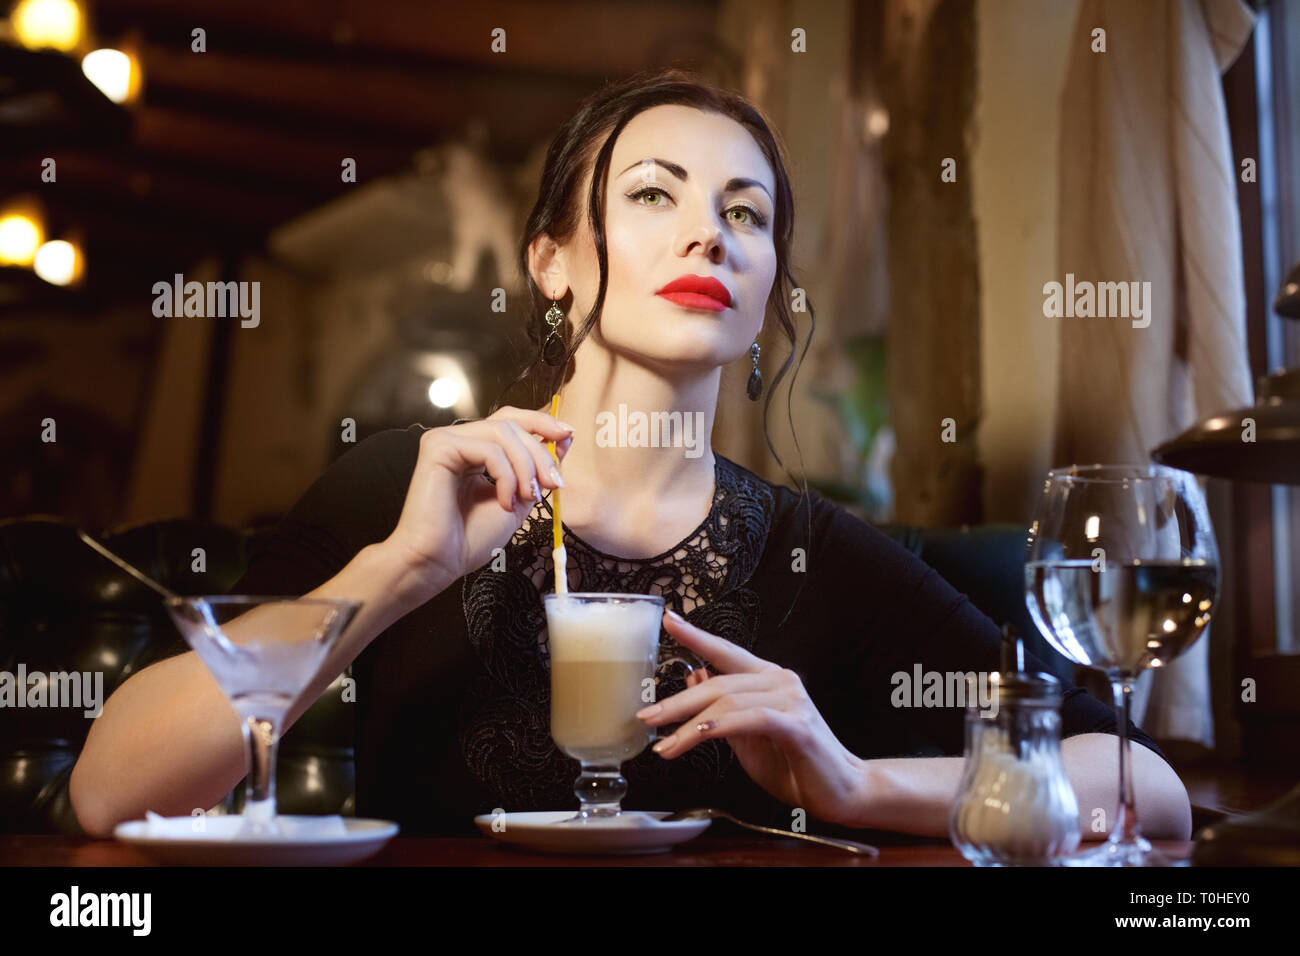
(557, 209)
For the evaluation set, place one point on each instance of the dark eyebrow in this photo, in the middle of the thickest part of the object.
(733, 184)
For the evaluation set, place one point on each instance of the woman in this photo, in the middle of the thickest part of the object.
(802, 612)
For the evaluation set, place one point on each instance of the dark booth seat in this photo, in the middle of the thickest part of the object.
(63, 608)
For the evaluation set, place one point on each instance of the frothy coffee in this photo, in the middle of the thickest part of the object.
(601, 656)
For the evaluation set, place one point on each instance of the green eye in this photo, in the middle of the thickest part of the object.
(649, 191)
(755, 217)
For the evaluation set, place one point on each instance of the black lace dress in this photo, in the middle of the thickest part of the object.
(453, 701)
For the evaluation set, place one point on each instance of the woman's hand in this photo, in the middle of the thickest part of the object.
(454, 516)
(768, 719)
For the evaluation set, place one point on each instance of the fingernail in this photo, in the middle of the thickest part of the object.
(555, 476)
(675, 616)
(662, 745)
(537, 491)
(651, 711)
(566, 426)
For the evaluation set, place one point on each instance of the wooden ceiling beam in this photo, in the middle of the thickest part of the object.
(540, 38)
(256, 152)
(193, 169)
(87, 183)
(387, 102)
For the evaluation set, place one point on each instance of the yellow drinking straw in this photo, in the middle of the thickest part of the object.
(557, 526)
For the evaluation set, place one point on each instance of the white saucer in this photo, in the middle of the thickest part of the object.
(218, 846)
(632, 831)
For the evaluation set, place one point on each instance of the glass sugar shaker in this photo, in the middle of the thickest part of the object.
(1015, 805)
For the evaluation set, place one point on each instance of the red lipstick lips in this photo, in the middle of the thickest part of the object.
(697, 292)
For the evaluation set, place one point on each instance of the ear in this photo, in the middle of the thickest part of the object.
(547, 267)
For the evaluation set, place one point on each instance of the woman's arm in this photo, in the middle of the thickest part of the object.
(904, 615)
(168, 740)
(914, 794)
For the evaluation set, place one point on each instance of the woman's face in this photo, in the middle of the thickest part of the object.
(689, 194)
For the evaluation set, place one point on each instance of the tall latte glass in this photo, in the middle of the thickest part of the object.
(604, 660)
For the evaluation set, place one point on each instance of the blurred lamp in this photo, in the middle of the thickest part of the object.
(21, 233)
(41, 24)
(58, 262)
(444, 392)
(117, 74)
(1257, 443)
(877, 122)
(448, 382)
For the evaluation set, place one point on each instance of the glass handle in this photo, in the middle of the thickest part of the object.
(690, 668)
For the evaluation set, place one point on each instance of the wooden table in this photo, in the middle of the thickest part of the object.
(1216, 791)
(34, 850)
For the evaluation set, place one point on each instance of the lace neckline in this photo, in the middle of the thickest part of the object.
(719, 555)
(567, 530)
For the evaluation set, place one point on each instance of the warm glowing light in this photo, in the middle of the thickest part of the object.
(1169, 625)
(20, 237)
(449, 383)
(58, 262)
(40, 24)
(1092, 527)
(444, 392)
(877, 122)
(112, 71)
(439, 272)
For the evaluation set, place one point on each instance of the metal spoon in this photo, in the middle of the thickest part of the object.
(701, 813)
(134, 572)
(205, 609)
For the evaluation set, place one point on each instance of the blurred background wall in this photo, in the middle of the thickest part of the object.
(1022, 59)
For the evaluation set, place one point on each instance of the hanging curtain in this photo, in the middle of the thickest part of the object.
(1148, 196)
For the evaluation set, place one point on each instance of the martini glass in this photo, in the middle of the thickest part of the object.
(263, 652)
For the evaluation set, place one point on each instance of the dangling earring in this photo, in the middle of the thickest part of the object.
(553, 348)
(755, 385)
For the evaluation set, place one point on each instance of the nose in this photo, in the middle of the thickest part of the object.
(706, 237)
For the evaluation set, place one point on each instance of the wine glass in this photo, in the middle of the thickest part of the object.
(263, 652)
(1122, 574)
(604, 658)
